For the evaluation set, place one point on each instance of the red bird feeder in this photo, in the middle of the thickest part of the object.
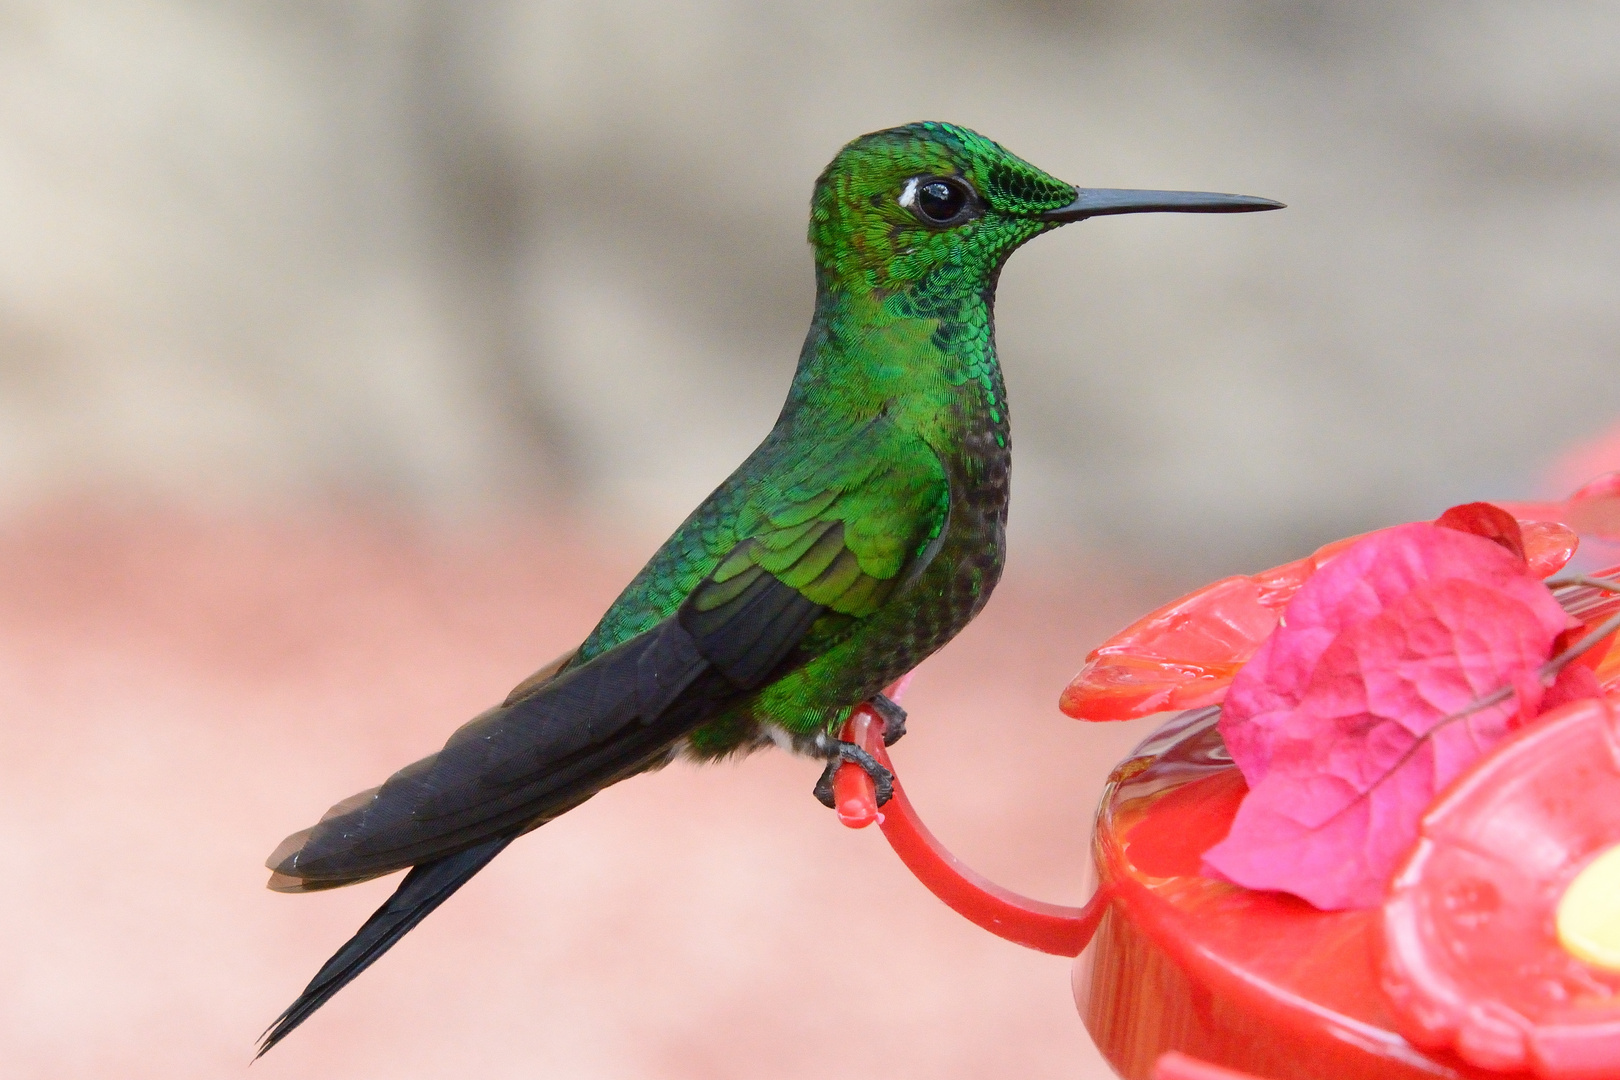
(1413, 742)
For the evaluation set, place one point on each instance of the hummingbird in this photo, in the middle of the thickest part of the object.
(863, 533)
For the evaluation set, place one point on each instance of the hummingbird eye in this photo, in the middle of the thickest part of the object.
(940, 201)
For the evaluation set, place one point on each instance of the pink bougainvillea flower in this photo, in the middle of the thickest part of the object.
(1491, 522)
(1185, 654)
(1341, 722)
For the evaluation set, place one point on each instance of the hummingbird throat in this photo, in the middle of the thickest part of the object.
(930, 360)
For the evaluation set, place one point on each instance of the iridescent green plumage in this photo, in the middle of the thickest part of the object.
(863, 533)
(895, 428)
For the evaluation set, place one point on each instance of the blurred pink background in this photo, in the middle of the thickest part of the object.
(352, 356)
(180, 689)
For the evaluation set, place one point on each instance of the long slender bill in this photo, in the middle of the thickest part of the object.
(1096, 202)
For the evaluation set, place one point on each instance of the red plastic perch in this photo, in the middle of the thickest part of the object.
(1035, 924)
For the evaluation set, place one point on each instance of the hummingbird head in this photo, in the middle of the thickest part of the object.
(941, 207)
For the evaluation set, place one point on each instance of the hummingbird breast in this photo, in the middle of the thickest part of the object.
(949, 592)
(956, 584)
(954, 403)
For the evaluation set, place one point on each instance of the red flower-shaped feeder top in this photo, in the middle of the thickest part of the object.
(1358, 682)
(1395, 665)
(1336, 722)
(1185, 654)
(1500, 929)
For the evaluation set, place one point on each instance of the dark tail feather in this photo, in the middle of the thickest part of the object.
(424, 888)
(522, 764)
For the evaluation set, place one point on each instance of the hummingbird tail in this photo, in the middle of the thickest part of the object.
(424, 888)
(521, 764)
(517, 766)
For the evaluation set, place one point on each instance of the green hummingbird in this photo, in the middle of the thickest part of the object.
(861, 535)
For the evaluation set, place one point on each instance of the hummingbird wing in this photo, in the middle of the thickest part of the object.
(844, 528)
(825, 541)
(832, 537)
(885, 487)
(519, 765)
(514, 768)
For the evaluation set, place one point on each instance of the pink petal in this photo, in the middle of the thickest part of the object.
(1405, 629)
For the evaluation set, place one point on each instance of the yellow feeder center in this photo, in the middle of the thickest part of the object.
(1589, 913)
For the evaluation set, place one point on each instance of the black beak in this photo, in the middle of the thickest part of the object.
(1096, 202)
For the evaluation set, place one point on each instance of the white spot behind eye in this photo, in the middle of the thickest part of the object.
(908, 194)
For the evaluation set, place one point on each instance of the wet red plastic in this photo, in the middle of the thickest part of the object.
(1258, 982)
(1050, 928)
(1593, 510)
(1472, 959)
(1174, 1066)
(854, 794)
(1185, 654)
(1593, 607)
(1181, 656)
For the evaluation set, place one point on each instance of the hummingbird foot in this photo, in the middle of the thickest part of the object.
(892, 715)
(839, 752)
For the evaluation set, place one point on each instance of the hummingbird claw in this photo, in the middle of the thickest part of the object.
(840, 752)
(823, 790)
(892, 715)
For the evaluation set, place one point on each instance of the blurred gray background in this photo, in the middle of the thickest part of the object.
(353, 354)
(457, 255)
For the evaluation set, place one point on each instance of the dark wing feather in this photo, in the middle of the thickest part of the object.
(517, 766)
(522, 764)
(747, 632)
(834, 537)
